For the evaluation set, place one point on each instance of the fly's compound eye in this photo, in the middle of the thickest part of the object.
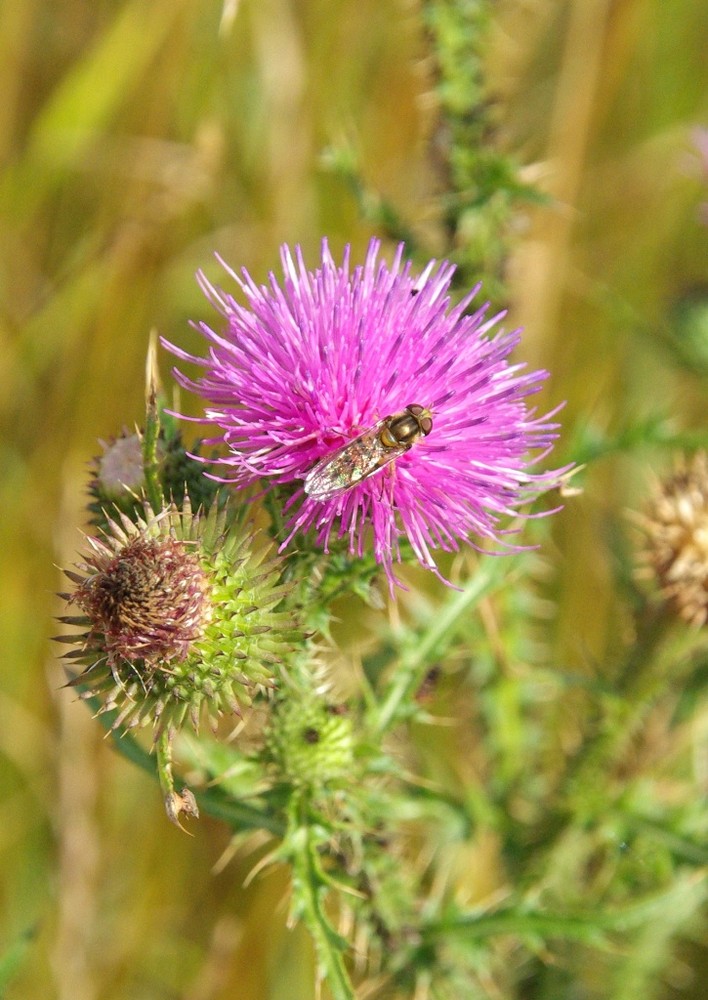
(423, 417)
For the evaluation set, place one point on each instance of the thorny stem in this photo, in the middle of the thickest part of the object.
(590, 928)
(311, 885)
(213, 801)
(153, 487)
(639, 683)
(163, 758)
(176, 802)
(275, 512)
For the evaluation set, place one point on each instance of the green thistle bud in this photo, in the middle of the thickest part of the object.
(177, 619)
(310, 742)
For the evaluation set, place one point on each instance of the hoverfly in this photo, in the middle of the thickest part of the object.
(366, 454)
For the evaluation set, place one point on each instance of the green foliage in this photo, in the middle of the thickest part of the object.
(526, 812)
(354, 792)
(13, 958)
(480, 184)
(480, 181)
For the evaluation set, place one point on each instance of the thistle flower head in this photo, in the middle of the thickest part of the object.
(675, 551)
(177, 619)
(387, 412)
(148, 600)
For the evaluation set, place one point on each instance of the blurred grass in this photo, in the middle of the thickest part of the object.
(136, 139)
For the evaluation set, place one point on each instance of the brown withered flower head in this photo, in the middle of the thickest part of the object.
(148, 601)
(178, 619)
(675, 550)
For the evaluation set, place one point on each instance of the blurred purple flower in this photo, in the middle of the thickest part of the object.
(314, 361)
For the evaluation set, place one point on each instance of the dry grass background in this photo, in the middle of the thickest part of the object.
(135, 139)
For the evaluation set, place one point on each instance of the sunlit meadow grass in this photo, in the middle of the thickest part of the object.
(556, 765)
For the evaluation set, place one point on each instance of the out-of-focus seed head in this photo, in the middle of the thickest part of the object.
(675, 549)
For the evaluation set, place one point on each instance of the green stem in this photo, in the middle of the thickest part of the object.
(411, 673)
(640, 681)
(311, 889)
(212, 801)
(638, 684)
(163, 759)
(274, 507)
(689, 890)
(151, 468)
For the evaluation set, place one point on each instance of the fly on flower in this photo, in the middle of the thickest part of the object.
(368, 453)
(342, 345)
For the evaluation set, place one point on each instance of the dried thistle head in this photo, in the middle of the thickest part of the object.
(675, 549)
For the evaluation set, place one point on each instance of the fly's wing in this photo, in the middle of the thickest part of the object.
(349, 465)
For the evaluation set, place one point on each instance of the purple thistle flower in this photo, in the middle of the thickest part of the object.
(309, 364)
